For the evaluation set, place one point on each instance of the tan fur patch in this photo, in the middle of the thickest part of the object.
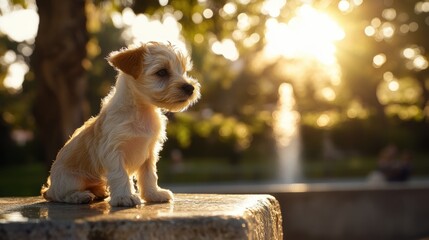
(128, 61)
(79, 155)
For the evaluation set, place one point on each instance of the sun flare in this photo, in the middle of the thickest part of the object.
(310, 34)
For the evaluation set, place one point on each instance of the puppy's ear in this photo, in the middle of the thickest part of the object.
(129, 61)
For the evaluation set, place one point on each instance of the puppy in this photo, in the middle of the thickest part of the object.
(103, 155)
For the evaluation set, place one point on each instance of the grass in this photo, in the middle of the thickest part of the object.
(356, 167)
(214, 170)
(353, 167)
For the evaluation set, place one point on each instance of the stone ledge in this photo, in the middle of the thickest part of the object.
(190, 216)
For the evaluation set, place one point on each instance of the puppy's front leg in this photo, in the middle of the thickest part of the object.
(119, 182)
(148, 183)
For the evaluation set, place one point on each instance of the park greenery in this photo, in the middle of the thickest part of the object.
(357, 71)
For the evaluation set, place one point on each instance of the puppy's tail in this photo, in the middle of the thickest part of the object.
(45, 188)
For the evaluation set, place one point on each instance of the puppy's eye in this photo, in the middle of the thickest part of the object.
(162, 73)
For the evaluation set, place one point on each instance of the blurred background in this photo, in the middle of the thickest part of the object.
(322, 103)
(297, 91)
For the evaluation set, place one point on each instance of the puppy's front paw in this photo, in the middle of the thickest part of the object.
(159, 195)
(125, 201)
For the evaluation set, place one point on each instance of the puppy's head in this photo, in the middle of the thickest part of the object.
(159, 75)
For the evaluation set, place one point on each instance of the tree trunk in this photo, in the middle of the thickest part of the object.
(60, 47)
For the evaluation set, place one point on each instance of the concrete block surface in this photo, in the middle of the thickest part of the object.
(190, 216)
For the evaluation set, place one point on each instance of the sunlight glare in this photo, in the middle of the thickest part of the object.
(379, 60)
(409, 53)
(328, 94)
(198, 38)
(163, 3)
(369, 31)
(344, 5)
(357, 2)
(309, 34)
(197, 18)
(8, 57)
(323, 120)
(243, 22)
(128, 16)
(404, 28)
(413, 26)
(226, 48)
(20, 25)
(420, 63)
(272, 7)
(142, 28)
(422, 7)
(416, 61)
(15, 75)
(407, 90)
(356, 110)
(376, 22)
(393, 86)
(389, 14)
(243, 2)
(208, 13)
(388, 30)
(251, 40)
(230, 8)
(388, 76)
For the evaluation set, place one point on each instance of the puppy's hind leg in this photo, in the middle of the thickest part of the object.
(79, 197)
(69, 188)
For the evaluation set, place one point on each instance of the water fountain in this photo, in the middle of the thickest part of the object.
(286, 130)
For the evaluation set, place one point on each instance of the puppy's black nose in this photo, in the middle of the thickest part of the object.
(188, 89)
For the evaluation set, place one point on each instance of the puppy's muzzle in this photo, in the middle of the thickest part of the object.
(188, 89)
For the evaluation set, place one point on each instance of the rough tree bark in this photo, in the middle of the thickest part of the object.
(60, 47)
